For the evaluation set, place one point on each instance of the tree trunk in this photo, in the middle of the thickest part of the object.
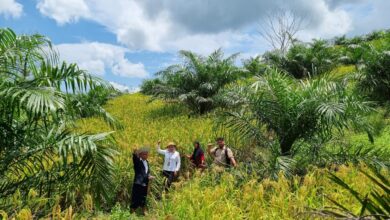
(204, 108)
(286, 145)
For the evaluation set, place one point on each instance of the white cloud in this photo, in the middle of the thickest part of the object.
(97, 58)
(64, 11)
(375, 16)
(334, 22)
(198, 25)
(163, 25)
(10, 8)
(124, 88)
(120, 87)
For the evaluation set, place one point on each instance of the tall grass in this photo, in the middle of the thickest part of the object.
(205, 198)
(235, 194)
(147, 122)
(213, 194)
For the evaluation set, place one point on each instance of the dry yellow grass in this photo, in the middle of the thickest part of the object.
(211, 195)
(146, 123)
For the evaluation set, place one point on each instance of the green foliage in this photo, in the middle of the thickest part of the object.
(293, 110)
(374, 77)
(373, 36)
(374, 205)
(257, 189)
(117, 213)
(49, 162)
(197, 82)
(90, 104)
(353, 54)
(38, 149)
(258, 198)
(148, 86)
(254, 66)
(303, 60)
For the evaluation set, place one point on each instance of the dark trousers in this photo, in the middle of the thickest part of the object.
(170, 178)
(138, 196)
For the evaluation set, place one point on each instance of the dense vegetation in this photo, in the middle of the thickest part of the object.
(197, 82)
(40, 154)
(310, 130)
(277, 105)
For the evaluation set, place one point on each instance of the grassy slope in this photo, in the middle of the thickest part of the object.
(213, 195)
(146, 123)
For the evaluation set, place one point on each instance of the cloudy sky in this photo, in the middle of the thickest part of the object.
(126, 41)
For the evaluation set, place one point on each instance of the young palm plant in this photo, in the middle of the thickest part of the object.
(279, 108)
(304, 60)
(374, 76)
(374, 205)
(38, 149)
(197, 82)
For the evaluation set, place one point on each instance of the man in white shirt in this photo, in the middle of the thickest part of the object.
(171, 165)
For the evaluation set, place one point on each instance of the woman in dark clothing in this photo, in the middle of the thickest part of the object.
(197, 157)
(141, 180)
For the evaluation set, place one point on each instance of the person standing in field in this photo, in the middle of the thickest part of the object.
(222, 154)
(141, 180)
(171, 165)
(197, 157)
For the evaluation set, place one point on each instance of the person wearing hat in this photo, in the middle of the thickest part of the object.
(171, 165)
(141, 179)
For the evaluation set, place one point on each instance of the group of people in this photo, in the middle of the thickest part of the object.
(222, 157)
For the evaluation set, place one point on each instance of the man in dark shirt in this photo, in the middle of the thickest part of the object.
(197, 157)
(141, 179)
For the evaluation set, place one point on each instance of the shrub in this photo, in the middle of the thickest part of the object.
(374, 205)
(39, 148)
(197, 82)
(148, 86)
(374, 76)
(292, 110)
(303, 60)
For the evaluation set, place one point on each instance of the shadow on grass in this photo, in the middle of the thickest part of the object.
(170, 110)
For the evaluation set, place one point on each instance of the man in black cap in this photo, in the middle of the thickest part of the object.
(141, 179)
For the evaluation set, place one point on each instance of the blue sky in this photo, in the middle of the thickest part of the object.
(127, 41)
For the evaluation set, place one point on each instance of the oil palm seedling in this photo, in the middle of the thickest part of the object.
(374, 76)
(374, 205)
(305, 59)
(278, 108)
(38, 146)
(197, 81)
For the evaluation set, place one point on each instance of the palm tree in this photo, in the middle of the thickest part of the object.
(197, 82)
(254, 65)
(38, 148)
(288, 110)
(374, 76)
(304, 60)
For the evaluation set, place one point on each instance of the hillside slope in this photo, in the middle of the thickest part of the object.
(214, 194)
(147, 122)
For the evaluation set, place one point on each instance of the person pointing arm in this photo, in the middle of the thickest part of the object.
(158, 147)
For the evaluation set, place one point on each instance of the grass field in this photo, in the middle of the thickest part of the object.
(213, 194)
(147, 122)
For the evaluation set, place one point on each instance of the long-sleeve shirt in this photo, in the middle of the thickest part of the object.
(197, 158)
(145, 165)
(141, 171)
(171, 160)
